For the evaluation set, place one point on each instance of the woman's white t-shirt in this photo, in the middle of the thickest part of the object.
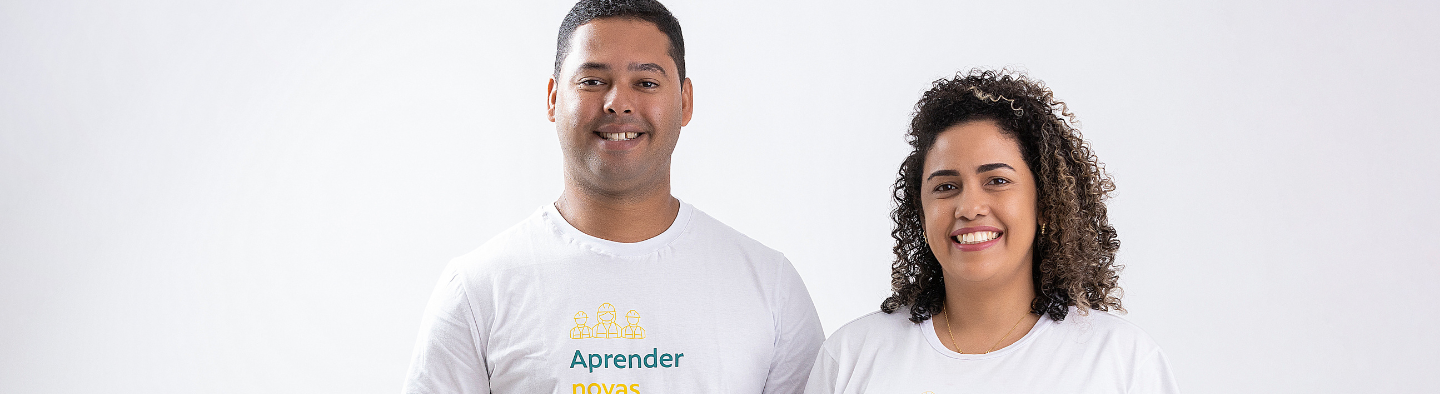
(1093, 353)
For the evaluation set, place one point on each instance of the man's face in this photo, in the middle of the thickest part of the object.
(618, 106)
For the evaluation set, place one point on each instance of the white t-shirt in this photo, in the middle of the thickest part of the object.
(1096, 353)
(545, 308)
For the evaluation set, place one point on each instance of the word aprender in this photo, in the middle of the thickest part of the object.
(621, 361)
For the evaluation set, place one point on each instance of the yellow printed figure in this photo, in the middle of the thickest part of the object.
(581, 331)
(632, 330)
(606, 328)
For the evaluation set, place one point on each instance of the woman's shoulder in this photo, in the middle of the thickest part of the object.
(1120, 346)
(1113, 328)
(872, 329)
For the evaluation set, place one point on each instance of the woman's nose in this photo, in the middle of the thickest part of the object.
(972, 206)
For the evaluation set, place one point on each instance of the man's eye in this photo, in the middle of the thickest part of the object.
(591, 82)
(648, 84)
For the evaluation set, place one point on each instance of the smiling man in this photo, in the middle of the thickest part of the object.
(618, 287)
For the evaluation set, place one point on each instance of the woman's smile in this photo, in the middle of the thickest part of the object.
(974, 239)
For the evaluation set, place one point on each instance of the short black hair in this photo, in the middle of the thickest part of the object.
(646, 10)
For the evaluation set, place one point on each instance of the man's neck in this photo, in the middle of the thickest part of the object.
(629, 218)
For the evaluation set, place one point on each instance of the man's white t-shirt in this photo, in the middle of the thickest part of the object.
(545, 308)
(1094, 353)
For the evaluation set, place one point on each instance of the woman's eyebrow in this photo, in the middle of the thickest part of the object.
(943, 173)
(993, 167)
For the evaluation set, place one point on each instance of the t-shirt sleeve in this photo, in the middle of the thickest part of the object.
(449, 357)
(1152, 375)
(799, 334)
(824, 375)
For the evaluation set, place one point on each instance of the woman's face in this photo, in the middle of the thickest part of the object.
(979, 201)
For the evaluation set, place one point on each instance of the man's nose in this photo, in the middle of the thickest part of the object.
(619, 101)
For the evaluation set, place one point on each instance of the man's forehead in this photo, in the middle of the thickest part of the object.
(621, 41)
(619, 23)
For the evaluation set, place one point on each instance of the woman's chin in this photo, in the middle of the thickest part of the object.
(971, 273)
(978, 274)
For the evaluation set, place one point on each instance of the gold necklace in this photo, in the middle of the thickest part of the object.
(951, 334)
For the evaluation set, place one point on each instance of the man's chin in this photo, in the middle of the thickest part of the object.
(610, 180)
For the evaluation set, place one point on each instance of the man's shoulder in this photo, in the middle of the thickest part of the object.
(708, 232)
(513, 246)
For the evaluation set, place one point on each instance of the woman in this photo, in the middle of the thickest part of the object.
(1004, 259)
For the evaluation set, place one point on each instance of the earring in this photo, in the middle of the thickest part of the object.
(1042, 228)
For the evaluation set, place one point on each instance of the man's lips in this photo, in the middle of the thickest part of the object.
(618, 136)
(619, 132)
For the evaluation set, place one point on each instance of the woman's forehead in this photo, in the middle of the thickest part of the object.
(969, 145)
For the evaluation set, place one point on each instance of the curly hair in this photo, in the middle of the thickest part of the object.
(1074, 259)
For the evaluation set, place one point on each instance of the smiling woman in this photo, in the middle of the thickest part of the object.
(1000, 234)
(1074, 259)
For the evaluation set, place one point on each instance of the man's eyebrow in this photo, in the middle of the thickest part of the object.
(993, 167)
(647, 67)
(943, 173)
(594, 66)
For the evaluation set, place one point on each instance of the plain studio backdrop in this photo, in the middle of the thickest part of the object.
(258, 196)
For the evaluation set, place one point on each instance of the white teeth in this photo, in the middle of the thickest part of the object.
(619, 136)
(977, 237)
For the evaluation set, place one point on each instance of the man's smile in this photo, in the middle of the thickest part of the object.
(618, 136)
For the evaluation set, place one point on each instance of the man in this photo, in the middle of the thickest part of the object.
(618, 287)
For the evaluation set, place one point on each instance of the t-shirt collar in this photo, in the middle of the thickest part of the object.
(927, 330)
(552, 216)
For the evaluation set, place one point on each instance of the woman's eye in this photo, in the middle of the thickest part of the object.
(999, 181)
(944, 187)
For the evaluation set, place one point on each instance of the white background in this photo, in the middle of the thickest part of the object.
(257, 196)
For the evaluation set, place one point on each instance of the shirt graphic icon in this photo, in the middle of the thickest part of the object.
(581, 331)
(632, 330)
(607, 327)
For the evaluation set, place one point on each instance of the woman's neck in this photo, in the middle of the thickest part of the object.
(982, 319)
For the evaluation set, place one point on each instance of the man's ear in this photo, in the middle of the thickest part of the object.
(551, 91)
(687, 100)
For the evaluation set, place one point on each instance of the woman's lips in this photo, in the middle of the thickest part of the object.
(973, 239)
